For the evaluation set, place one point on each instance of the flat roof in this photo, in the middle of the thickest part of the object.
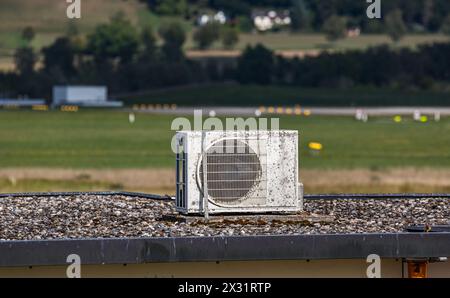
(119, 227)
(121, 215)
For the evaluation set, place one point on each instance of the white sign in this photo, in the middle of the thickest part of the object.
(374, 269)
(74, 9)
(374, 9)
(74, 269)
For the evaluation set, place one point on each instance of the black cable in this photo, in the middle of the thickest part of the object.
(374, 196)
(168, 197)
(94, 193)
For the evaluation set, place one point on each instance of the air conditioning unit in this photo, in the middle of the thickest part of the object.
(246, 172)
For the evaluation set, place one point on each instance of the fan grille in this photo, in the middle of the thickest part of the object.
(233, 170)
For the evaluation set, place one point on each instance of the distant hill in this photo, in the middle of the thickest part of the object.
(48, 19)
(50, 15)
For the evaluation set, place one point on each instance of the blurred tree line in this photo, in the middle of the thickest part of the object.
(427, 67)
(206, 35)
(125, 59)
(116, 54)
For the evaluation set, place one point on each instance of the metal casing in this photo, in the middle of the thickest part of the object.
(233, 186)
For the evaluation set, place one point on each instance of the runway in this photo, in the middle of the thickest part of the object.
(289, 110)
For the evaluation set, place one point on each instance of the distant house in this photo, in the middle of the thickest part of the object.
(87, 96)
(265, 20)
(218, 17)
(353, 32)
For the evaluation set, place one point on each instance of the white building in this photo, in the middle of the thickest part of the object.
(219, 17)
(87, 96)
(265, 20)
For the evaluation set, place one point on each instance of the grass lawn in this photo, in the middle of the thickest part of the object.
(47, 16)
(254, 95)
(105, 139)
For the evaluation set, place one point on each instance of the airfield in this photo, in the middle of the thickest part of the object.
(76, 150)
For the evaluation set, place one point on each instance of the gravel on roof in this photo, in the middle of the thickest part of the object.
(97, 216)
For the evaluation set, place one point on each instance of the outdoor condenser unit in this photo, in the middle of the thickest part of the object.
(246, 171)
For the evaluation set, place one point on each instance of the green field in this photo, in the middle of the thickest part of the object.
(316, 41)
(49, 20)
(104, 139)
(254, 95)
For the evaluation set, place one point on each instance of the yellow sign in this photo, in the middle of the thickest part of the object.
(398, 119)
(40, 108)
(69, 108)
(315, 146)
